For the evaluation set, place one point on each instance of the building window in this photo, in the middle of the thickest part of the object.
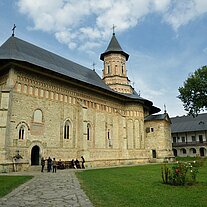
(152, 129)
(22, 132)
(183, 139)
(201, 138)
(174, 139)
(122, 69)
(67, 130)
(154, 154)
(88, 131)
(108, 69)
(193, 139)
(38, 116)
(109, 138)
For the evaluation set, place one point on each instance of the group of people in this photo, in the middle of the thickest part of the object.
(76, 163)
(52, 164)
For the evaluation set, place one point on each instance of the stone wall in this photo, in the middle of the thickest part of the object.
(41, 106)
(158, 139)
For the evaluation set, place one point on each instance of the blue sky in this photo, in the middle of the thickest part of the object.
(166, 39)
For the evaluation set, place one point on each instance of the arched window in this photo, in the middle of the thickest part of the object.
(38, 116)
(183, 151)
(194, 150)
(67, 130)
(88, 131)
(22, 132)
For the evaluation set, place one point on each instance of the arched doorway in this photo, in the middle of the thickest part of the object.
(35, 154)
(183, 152)
(192, 152)
(175, 152)
(202, 152)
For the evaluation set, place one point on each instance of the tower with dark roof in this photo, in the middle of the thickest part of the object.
(114, 72)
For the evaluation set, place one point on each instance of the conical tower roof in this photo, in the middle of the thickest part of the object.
(114, 47)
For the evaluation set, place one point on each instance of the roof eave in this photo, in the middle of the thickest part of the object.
(119, 52)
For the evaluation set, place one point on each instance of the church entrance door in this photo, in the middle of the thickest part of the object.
(35, 155)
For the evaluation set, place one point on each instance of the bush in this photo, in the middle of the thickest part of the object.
(181, 173)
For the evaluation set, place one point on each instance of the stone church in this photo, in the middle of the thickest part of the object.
(51, 106)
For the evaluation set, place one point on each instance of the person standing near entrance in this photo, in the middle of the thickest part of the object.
(42, 164)
(54, 165)
(49, 164)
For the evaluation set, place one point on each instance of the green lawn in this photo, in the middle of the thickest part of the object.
(140, 186)
(8, 183)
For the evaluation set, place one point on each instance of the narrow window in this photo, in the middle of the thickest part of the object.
(66, 130)
(122, 69)
(88, 131)
(183, 139)
(109, 138)
(174, 139)
(21, 132)
(154, 154)
(108, 69)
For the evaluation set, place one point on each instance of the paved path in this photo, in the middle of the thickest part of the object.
(48, 190)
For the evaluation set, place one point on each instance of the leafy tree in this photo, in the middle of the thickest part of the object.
(193, 94)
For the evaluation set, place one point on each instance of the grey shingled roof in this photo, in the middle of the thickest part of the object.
(20, 50)
(157, 117)
(17, 49)
(189, 123)
(114, 46)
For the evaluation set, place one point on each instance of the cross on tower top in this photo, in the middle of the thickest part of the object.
(165, 111)
(13, 30)
(113, 28)
(94, 64)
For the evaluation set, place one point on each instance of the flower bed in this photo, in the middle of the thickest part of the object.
(181, 173)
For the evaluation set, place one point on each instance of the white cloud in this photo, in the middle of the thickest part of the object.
(89, 46)
(182, 12)
(75, 23)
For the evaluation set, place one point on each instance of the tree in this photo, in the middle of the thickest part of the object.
(193, 94)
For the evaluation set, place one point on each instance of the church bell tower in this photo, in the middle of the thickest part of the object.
(114, 72)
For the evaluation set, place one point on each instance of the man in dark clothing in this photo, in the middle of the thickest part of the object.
(83, 161)
(72, 163)
(42, 164)
(49, 164)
